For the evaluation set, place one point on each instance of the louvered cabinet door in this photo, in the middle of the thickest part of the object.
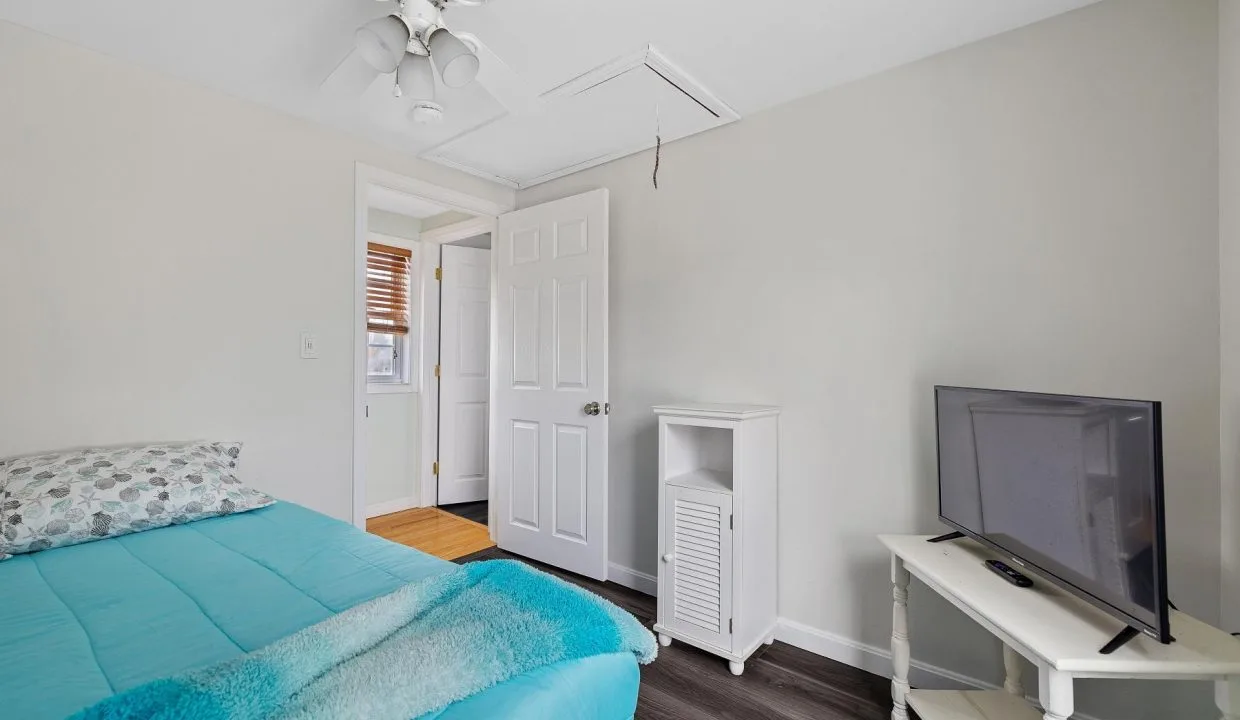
(696, 599)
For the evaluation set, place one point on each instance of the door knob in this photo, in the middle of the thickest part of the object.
(593, 408)
(669, 557)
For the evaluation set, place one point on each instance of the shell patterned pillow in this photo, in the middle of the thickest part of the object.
(59, 499)
(4, 480)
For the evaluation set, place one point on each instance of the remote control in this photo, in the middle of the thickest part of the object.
(1004, 571)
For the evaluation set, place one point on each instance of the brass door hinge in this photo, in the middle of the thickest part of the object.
(435, 468)
(436, 369)
(439, 273)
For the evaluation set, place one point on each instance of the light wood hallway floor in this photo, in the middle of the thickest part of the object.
(432, 531)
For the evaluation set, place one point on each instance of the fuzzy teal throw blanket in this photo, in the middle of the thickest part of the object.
(400, 656)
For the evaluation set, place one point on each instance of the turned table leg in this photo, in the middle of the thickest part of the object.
(899, 640)
(1055, 692)
(1227, 697)
(1012, 669)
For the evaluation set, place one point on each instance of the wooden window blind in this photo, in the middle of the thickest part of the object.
(387, 289)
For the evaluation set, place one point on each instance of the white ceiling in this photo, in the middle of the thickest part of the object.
(746, 55)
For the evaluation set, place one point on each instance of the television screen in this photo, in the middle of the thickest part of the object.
(1068, 486)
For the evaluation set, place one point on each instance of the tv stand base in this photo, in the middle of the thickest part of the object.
(948, 536)
(1058, 632)
(1123, 638)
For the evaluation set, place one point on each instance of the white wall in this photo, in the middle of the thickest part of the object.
(393, 440)
(1035, 211)
(451, 217)
(161, 248)
(390, 223)
(1229, 263)
(481, 242)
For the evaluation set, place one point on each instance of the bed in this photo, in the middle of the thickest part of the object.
(81, 623)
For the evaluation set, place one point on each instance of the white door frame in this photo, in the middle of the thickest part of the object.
(365, 177)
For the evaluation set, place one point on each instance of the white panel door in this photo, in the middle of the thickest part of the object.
(550, 445)
(464, 380)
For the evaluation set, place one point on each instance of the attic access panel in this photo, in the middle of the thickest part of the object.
(606, 114)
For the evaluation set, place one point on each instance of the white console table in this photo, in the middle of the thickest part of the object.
(1054, 630)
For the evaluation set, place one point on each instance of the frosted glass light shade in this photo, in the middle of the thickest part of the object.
(458, 65)
(381, 42)
(417, 77)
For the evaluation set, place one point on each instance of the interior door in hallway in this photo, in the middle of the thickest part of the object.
(464, 378)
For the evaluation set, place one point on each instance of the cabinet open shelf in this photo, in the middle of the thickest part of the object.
(699, 456)
(979, 705)
(704, 479)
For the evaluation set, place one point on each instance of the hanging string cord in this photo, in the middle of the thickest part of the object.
(658, 144)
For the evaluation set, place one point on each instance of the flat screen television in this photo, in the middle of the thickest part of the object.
(1070, 487)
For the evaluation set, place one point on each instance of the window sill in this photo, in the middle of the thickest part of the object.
(389, 388)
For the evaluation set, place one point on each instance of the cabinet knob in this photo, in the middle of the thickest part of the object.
(669, 557)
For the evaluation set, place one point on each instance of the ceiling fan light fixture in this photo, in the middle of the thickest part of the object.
(382, 41)
(426, 113)
(458, 65)
(416, 78)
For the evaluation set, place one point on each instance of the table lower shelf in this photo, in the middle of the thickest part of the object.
(979, 705)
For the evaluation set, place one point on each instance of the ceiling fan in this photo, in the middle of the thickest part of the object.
(416, 44)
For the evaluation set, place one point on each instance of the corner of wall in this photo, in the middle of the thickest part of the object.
(1229, 304)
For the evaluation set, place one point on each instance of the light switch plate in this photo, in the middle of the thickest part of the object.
(309, 346)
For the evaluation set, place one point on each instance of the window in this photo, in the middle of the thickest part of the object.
(384, 357)
(388, 314)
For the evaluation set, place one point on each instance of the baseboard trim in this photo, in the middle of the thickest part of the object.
(878, 660)
(630, 578)
(869, 658)
(389, 507)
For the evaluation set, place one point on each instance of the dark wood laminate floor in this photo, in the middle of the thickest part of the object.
(476, 511)
(780, 681)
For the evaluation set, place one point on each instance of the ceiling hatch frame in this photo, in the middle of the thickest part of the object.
(651, 58)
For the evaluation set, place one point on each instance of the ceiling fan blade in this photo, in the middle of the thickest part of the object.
(350, 79)
(501, 81)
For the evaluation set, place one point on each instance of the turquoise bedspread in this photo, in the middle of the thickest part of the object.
(81, 623)
(400, 656)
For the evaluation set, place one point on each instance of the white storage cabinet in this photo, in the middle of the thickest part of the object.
(718, 477)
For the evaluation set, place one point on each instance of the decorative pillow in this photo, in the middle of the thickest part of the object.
(59, 499)
(4, 480)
